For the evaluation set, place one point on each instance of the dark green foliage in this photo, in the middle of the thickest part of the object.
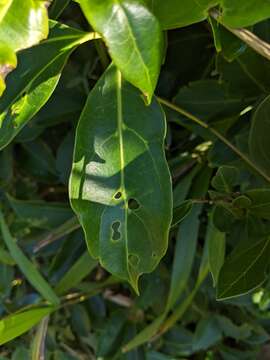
(134, 195)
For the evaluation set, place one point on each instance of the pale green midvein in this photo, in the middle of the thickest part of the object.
(121, 151)
(136, 48)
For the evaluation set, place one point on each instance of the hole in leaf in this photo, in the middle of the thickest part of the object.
(116, 233)
(118, 195)
(154, 255)
(133, 204)
(133, 259)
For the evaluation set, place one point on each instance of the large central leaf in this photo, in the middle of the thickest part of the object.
(120, 185)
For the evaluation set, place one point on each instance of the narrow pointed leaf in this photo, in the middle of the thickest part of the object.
(120, 185)
(216, 246)
(38, 345)
(16, 324)
(26, 266)
(82, 267)
(133, 36)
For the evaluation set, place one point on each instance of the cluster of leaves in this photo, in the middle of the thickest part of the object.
(174, 186)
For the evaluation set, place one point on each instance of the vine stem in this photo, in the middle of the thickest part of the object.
(253, 41)
(217, 134)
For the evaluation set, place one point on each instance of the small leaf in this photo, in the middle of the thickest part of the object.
(242, 202)
(186, 241)
(133, 36)
(225, 179)
(27, 268)
(16, 324)
(120, 185)
(259, 144)
(244, 270)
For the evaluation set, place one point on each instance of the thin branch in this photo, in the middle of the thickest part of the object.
(65, 229)
(252, 40)
(217, 134)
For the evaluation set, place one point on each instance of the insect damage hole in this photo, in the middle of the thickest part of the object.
(133, 259)
(116, 234)
(118, 195)
(133, 204)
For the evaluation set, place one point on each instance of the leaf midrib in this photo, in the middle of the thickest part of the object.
(136, 48)
(243, 274)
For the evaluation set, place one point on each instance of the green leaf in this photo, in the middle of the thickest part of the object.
(216, 249)
(224, 217)
(133, 36)
(173, 13)
(210, 99)
(82, 267)
(41, 214)
(57, 7)
(5, 258)
(243, 13)
(244, 270)
(145, 335)
(259, 136)
(38, 344)
(182, 188)
(29, 88)
(120, 185)
(27, 268)
(225, 179)
(180, 212)
(186, 241)
(207, 334)
(260, 199)
(16, 324)
(22, 25)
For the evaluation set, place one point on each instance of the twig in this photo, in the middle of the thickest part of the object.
(200, 122)
(65, 229)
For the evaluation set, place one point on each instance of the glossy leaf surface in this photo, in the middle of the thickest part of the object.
(133, 37)
(174, 13)
(22, 25)
(120, 186)
(29, 88)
